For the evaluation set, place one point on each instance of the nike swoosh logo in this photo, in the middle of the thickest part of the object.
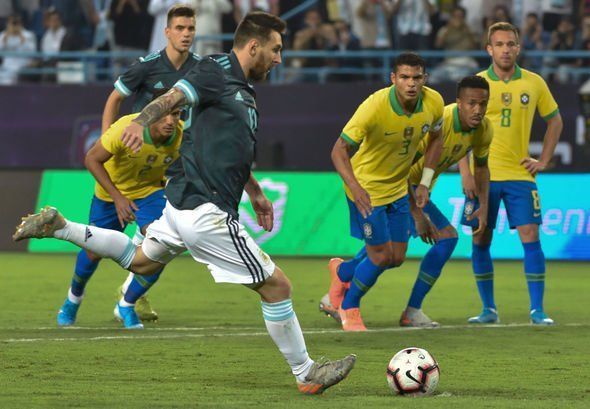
(536, 214)
(390, 133)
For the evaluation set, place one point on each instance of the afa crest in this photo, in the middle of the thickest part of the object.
(507, 98)
(524, 98)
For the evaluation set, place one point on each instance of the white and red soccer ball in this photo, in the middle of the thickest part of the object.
(413, 372)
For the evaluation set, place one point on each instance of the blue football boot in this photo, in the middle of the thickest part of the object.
(487, 316)
(67, 314)
(128, 316)
(538, 317)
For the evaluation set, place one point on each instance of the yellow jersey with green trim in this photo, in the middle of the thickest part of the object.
(387, 140)
(456, 144)
(511, 111)
(137, 175)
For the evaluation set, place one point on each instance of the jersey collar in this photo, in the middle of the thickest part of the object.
(236, 68)
(517, 73)
(457, 123)
(396, 106)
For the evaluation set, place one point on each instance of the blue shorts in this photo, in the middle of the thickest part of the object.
(387, 223)
(104, 214)
(521, 200)
(435, 215)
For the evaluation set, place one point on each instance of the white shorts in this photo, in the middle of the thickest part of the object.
(212, 237)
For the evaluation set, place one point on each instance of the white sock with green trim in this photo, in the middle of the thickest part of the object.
(284, 329)
(104, 242)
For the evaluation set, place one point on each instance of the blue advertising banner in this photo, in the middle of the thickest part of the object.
(565, 232)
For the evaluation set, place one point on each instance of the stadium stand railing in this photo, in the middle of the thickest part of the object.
(98, 66)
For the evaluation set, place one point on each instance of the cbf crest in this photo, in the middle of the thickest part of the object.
(524, 98)
(367, 231)
(507, 98)
(425, 128)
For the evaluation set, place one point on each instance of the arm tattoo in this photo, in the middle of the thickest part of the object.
(160, 107)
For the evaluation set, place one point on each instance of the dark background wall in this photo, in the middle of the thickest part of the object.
(51, 126)
(21, 189)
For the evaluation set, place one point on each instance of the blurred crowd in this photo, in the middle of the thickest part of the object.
(51, 26)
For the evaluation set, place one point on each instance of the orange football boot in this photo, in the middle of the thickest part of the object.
(351, 319)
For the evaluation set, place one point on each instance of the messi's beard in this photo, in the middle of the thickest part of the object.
(259, 71)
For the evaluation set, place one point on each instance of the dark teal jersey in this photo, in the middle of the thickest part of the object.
(151, 73)
(217, 164)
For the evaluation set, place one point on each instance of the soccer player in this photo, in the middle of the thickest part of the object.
(201, 213)
(151, 74)
(386, 129)
(465, 129)
(515, 94)
(129, 187)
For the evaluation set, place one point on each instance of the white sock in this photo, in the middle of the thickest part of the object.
(284, 329)
(124, 303)
(74, 298)
(103, 242)
(128, 282)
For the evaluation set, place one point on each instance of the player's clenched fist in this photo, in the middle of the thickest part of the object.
(132, 137)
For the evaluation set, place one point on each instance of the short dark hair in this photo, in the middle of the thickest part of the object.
(180, 10)
(502, 26)
(411, 59)
(259, 25)
(472, 81)
(462, 9)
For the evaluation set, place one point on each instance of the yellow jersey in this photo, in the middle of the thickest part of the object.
(456, 144)
(387, 140)
(137, 175)
(511, 111)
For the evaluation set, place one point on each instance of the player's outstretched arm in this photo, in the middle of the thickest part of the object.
(132, 136)
(467, 179)
(424, 226)
(94, 162)
(260, 203)
(552, 135)
(341, 159)
(482, 186)
(432, 154)
(111, 109)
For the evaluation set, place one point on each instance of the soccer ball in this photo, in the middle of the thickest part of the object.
(413, 372)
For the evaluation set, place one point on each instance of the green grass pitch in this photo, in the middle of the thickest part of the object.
(210, 347)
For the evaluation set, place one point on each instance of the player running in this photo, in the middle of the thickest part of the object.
(201, 213)
(465, 129)
(515, 94)
(386, 129)
(148, 76)
(129, 187)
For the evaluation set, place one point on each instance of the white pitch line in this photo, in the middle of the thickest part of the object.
(258, 334)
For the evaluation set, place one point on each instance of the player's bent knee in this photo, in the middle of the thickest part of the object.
(528, 232)
(92, 257)
(397, 260)
(448, 232)
(143, 265)
(277, 288)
